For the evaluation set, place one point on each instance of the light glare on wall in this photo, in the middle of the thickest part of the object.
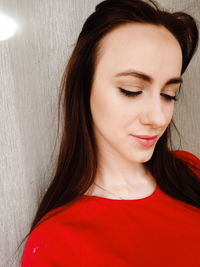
(7, 27)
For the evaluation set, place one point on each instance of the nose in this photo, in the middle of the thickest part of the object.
(154, 114)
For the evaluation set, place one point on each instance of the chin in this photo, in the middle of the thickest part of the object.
(144, 156)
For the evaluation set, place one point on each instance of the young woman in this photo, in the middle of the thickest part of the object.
(120, 196)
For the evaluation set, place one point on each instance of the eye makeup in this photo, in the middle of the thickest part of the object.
(136, 93)
(169, 97)
(129, 93)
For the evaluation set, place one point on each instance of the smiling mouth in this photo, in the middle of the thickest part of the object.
(147, 137)
(145, 140)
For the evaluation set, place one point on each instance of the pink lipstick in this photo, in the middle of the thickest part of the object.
(145, 140)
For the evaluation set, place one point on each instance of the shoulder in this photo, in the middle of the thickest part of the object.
(37, 246)
(190, 159)
(54, 237)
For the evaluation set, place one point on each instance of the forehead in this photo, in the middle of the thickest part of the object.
(148, 48)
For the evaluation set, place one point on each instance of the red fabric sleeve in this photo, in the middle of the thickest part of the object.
(36, 251)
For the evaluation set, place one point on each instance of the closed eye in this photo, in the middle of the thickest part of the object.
(129, 93)
(169, 97)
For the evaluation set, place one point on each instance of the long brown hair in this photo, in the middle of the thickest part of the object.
(77, 161)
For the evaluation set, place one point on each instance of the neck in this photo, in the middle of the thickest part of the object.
(122, 177)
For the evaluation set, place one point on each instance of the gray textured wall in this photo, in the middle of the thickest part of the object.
(32, 63)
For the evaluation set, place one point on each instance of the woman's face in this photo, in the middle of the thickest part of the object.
(144, 60)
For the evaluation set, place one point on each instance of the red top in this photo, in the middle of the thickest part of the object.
(156, 231)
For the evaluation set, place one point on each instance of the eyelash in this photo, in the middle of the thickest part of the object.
(132, 94)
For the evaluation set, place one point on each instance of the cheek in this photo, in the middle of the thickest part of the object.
(169, 111)
(106, 106)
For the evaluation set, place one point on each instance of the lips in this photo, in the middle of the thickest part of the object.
(147, 137)
(145, 140)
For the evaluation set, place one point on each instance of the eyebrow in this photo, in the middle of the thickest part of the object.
(147, 78)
